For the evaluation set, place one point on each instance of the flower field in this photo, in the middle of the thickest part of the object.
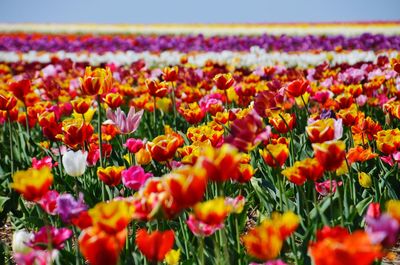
(200, 144)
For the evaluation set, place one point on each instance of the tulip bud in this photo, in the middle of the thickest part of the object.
(365, 180)
(74, 163)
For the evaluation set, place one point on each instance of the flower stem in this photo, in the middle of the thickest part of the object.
(201, 250)
(173, 103)
(100, 143)
(11, 144)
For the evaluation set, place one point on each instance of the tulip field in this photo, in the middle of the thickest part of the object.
(200, 144)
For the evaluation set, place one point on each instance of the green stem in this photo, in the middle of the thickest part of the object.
(11, 144)
(237, 239)
(305, 106)
(201, 250)
(173, 103)
(100, 143)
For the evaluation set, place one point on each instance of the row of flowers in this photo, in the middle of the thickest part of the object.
(256, 56)
(157, 43)
(211, 164)
(296, 29)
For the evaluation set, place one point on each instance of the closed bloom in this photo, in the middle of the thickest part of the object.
(282, 122)
(7, 102)
(125, 123)
(163, 147)
(49, 202)
(33, 183)
(110, 175)
(134, 145)
(326, 187)
(155, 245)
(157, 89)
(297, 88)
(134, 177)
(81, 104)
(75, 162)
(101, 248)
(365, 180)
(325, 130)
(172, 257)
(301, 171)
(96, 82)
(224, 81)
(113, 100)
(275, 155)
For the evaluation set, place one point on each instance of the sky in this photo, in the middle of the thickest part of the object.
(200, 11)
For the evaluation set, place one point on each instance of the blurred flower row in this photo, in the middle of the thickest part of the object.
(211, 164)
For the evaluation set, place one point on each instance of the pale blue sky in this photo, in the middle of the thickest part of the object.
(203, 11)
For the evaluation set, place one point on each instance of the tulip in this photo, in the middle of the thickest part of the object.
(135, 177)
(155, 245)
(365, 180)
(48, 235)
(172, 257)
(96, 82)
(75, 163)
(201, 229)
(68, 208)
(33, 183)
(275, 155)
(224, 81)
(330, 154)
(297, 88)
(7, 102)
(49, 202)
(110, 175)
(101, 248)
(126, 124)
(112, 217)
(19, 240)
(212, 212)
(134, 145)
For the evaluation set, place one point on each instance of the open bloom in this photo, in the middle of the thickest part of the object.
(19, 240)
(265, 241)
(155, 245)
(49, 202)
(68, 208)
(301, 171)
(336, 246)
(56, 237)
(75, 162)
(200, 228)
(33, 183)
(125, 123)
(112, 216)
(330, 154)
(101, 248)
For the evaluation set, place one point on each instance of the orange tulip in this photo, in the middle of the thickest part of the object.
(281, 123)
(340, 247)
(155, 245)
(297, 88)
(32, 183)
(221, 164)
(100, 248)
(82, 104)
(275, 155)
(224, 81)
(170, 74)
(330, 154)
(163, 147)
(110, 175)
(112, 217)
(301, 171)
(113, 100)
(265, 241)
(212, 212)
(96, 82)
(359, 154)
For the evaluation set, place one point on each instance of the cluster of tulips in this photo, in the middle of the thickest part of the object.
(200, 165)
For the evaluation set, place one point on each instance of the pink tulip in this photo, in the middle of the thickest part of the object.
(199, 228)
(134, 177)
(134, 145)
(125, 123)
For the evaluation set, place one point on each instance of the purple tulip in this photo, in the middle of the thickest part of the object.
(68, 207)
(383, 229)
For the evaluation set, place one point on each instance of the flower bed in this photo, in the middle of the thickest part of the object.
(176, 154)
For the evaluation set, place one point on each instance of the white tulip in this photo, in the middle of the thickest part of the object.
(18, 241)
(74, 163)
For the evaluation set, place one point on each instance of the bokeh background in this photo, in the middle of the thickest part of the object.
(197, 11)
